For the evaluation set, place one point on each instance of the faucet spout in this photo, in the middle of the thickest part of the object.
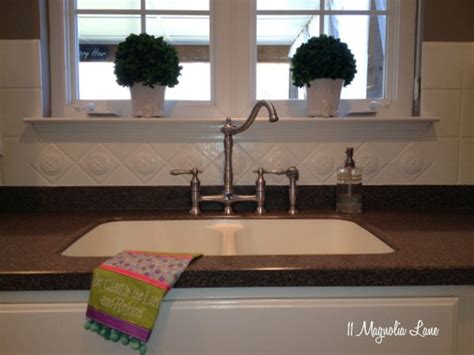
(272, 116)
(229, 130)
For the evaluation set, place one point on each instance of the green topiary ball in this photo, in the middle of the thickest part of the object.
(323, 57)
(146, 59)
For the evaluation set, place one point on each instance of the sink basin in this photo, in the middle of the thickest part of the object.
(230, 237)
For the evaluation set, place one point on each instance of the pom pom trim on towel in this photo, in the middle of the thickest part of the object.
(115, 336)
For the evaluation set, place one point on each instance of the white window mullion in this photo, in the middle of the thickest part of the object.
(243, 38)
(221, 53)
(401, 53)
(73, 54)
(234, 53)
(322, 6)
(142, 16)
(58, 56)
(243, 56)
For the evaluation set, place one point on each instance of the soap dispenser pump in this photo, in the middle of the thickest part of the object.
(349, 186)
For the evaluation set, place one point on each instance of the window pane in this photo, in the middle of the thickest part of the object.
(278, 37)
(190, 36)
(98, 39)
(378, 5)
(287, 4)
(277, 40)
(108, 4)
(284, 29)
(177, 5)
(368, 45)
(111, 29)
(189, 30)
(97, 81)
(100, 34)
(267, 75)
(194, 83)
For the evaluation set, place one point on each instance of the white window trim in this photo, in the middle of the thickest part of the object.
(233, 54)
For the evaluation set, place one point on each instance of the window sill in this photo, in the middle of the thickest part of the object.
(287, 129)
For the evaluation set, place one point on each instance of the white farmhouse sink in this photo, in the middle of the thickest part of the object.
(230, 237)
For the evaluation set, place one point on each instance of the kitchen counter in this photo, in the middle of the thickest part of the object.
(431, 248)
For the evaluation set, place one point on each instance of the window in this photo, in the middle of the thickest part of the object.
(101, 25)
(233, 52)
(372, 30)
(361, 24)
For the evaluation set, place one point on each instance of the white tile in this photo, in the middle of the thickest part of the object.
(423, 162)
(76, 177)
(256, 149)
(144, 163)
(189, 157)
(300, 150)
(121, 176)
(467, 114)
(99, 163)
(442, 65)
(167, 150)
(1, 170)
(122, 149)
(18, 159)
(446, 105)
(20, 61)
(52, 163)
(466, 171)
(15, 105)
(444, 170)
(74, 150)
(468, 67)
(211, 149)
(373, 157)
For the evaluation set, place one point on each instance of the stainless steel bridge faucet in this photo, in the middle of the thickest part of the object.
(228, 197)
(229, 130)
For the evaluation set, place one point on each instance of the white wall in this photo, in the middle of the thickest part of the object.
(45, 158)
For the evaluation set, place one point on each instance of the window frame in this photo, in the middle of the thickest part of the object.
(399, 65)
(233, 58)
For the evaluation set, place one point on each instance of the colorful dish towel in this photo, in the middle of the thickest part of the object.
(126, 293)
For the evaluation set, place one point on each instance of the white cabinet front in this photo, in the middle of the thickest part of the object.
(365, 326)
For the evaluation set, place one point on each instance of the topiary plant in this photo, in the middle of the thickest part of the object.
(148, 60)
(323, 57)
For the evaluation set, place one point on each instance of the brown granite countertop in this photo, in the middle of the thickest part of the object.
(431, 248)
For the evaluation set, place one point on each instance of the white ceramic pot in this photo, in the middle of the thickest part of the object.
(323, 96)
(147, 101)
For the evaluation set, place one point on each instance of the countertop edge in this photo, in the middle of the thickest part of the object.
(257, 278)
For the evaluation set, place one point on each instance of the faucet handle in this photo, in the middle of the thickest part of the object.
(260, 186)
(195, 188)
(194, 172)
(293, 175)
(261, 171)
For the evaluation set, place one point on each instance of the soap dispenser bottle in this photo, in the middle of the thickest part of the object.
(349, 186)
